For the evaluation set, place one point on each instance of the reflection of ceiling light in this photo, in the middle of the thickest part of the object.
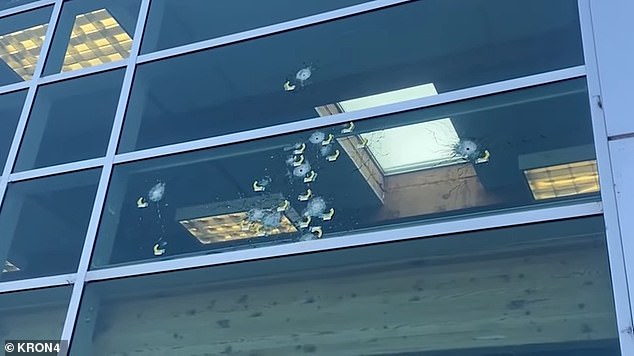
(414, 147)
(97, 38)
(563, 179)
(234, 226)
(9, 267)
(21, 49)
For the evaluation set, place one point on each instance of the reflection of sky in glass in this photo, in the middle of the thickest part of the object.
(7, 4)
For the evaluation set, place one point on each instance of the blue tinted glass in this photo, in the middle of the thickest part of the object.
(533, 290)
(70, 121)
(21, 39)
(176, 22)
(91, 33)
(284, 77)
(510, 150)
(10, 109)
(7, 4)
(43, 224)
(34, 314)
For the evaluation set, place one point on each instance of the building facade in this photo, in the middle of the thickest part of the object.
(333, 177)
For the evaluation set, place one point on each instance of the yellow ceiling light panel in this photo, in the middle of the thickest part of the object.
(121, 37)
(97, 38)
(563, 179)
(234, 226)
(115, 57)
(21, 49)
(102, 42)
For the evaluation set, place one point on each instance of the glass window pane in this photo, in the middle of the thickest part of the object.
(70, 121)
(21, 39)
(91, 33)
(467, 157)
(541, 289)
(34, 314)
(43, 224)
(10, 110)
(174, 22)
(7, 4)
(426, 47)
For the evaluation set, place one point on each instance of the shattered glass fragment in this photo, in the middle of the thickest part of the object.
(315, 207)
(156, 193)
(317, 137)
(304, 74)
(301, 170)
(471, 151)
(272, 220)
(325, 150)
(255, 214)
